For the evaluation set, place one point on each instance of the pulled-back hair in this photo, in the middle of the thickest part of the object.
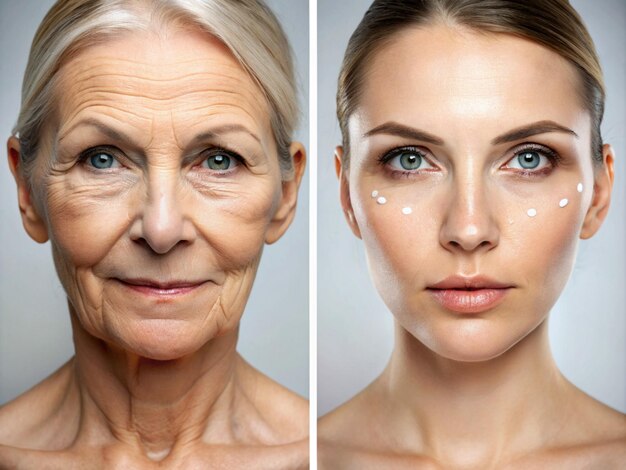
(551, 23)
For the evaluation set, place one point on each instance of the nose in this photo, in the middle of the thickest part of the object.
(469, 224)
(162, 223)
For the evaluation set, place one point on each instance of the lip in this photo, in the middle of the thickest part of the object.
(158, 288)
(475, 294)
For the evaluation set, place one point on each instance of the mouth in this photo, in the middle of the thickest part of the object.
(469, 294)
(169, 288)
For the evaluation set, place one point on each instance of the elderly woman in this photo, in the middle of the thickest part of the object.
(471, 164)
(153, 150)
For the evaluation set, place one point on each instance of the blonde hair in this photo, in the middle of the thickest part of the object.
(552, 23)
(247, 27)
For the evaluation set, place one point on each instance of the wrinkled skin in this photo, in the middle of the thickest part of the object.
(157, 184)
(471, 390)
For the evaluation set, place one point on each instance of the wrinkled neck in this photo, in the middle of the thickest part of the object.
(154, 406)
(475, 411)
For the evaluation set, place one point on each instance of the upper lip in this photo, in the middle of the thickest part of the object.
(469, 283)
(171, 284)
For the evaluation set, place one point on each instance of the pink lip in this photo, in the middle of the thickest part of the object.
(469, 294)
(161, 289)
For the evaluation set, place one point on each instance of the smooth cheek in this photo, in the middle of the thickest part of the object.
(404, 253)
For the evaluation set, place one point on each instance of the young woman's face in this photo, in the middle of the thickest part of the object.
(470, 182)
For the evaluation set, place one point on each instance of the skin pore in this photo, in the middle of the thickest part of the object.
(160, 184)
(470, 131)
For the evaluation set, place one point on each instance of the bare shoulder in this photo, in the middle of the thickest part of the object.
(593, 437)
(353, 436)
(285, 413)
(33, 419)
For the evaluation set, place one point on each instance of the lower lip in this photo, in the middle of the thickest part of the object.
(469, 301)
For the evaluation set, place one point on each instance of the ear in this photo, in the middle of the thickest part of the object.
(287, 207)
(602, 188)
(33, 223)
(344, 191)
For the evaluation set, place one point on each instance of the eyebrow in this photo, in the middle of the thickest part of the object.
(540, 127)
(120, 136)
(225, 129)
(535, 128)
(400, 130)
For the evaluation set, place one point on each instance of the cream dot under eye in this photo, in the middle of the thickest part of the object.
(374, 193)
(563, 202)
(531, 212)
(381, 200)
(406, 210)
(579, 187)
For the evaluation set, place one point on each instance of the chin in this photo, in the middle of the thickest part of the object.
(163, 340)
(470, 339)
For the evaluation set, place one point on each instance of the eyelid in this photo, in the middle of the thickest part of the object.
(553, 157)
(388, 155)
(425, 154)
(116, 153)
(212, 151)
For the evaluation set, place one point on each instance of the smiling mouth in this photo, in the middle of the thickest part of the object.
(159, 288)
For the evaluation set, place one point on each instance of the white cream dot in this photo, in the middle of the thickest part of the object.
(406, 210)
(531, 212)
(579, 188)
(381, 200)
(563, 202)
(374, 193)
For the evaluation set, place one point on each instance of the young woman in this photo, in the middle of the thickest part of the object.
(471, 165)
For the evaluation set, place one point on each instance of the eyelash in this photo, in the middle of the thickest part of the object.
(543, 150)
(211, 152)
(387, 156)
(90, 152)
(553, 157)
(115, 153)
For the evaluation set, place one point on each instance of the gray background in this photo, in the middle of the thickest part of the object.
(587, 325)
(35, 335)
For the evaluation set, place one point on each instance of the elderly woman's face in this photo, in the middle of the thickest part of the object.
(161, 187)
(470, 179)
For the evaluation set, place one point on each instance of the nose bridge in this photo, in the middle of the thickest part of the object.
(162, 218)
(469, 222)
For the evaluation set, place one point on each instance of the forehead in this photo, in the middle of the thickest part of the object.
(439, 75)
(141, 78)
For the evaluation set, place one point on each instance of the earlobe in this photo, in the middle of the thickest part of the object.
(287, 207)
(602, 190)
(32, 221)
(344, 191)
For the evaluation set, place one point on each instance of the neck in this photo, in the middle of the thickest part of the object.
(154, 405)
(476, 412)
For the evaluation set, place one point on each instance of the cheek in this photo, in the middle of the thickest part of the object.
(541, 232)
(84, 225)
(235, 227)
(399, 229)
(537, 229)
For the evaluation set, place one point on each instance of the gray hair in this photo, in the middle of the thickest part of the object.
(247, 27)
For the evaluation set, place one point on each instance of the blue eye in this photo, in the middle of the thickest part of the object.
(529, 160)
(533, 161)
(102, 161)
(220, 162)
(407, 159)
